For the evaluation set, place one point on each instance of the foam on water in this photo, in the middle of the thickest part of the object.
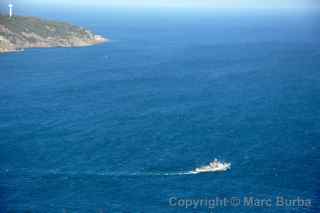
(114, 174)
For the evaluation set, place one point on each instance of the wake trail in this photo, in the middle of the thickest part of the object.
(214, 166)
(119, 174)
(78, 174)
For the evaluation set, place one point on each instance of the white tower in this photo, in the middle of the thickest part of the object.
(10, 9)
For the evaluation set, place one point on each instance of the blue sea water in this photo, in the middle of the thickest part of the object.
(116, 127)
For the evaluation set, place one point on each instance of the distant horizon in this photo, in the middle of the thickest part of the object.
(174, 4)
(247, 7)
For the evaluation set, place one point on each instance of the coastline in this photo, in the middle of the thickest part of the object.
(81, 43)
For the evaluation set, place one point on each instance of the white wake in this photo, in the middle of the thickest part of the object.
(214, 166)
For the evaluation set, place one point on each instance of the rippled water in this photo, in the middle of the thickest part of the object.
(117, 127)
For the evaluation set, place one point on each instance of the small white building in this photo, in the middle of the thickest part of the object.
(10, 9)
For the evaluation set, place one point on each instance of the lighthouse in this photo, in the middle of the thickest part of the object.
(10, 9)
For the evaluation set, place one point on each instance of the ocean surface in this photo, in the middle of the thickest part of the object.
(118, 127)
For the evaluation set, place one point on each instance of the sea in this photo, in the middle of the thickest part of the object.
(118, 127)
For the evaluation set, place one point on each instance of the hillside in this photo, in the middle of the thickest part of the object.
(18, 33)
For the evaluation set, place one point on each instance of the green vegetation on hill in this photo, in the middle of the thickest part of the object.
(20, 32)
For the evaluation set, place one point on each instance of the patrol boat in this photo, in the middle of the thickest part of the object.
(214, 166)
